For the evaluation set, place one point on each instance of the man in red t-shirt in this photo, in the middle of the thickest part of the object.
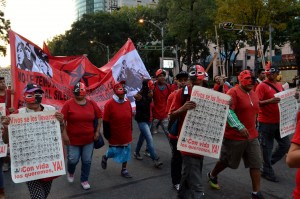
(293, 158)
(268, 118)
(176, 160)
(5, 95)
(241, 143)
(261, 77)
(161, 93)
(191, 180)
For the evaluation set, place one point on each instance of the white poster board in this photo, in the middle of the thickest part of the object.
(288, 109)
(3, 146)
(2, 109)
(203, 127)
(35, 146)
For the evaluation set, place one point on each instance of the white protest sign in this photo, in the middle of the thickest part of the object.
(203, 127)
(3, 146)
(35, 146)
(288, 109)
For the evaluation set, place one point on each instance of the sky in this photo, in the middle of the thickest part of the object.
(38, 20)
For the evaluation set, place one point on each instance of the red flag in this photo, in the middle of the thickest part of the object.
(46, 49)
(58, 75)
(125, 65)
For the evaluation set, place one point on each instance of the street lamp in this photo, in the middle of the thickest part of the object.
(141, 21)
(102, 44)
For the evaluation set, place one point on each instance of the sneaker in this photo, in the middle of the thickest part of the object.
(157, 164)
(269, 178)
(213, 182)
(5, 167)
(104, 162)
(202, 196)
(125, 173)
(85, 185)
(147, 154)
(137, 156)
(258, 195)
(70, 177)
(176, 187)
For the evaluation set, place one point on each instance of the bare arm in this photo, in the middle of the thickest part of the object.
(187, 106)
(273, 100)
(293, 156)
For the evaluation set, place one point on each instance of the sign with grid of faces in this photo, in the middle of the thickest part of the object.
(288, 109)
(35, 146)
(203, 127)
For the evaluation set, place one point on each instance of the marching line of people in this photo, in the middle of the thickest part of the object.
(252, 126)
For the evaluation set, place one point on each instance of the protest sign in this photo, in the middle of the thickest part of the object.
(35, 146)
(288, 109)
(203, 127)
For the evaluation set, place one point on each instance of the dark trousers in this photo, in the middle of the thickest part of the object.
(176, 162)
(269, 132)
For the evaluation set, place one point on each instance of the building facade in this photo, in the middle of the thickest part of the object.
(92, 6)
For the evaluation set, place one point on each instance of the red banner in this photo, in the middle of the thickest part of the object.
(58, 75)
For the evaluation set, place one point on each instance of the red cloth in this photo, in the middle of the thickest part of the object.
(245, 111)
(296, 140)
(3, 98)
(160, 102)
(170, 100)
(268, 113)
(225, 87)
(255, 86)
(80, 127)
(174, 87)
(119, 116)
(176, 104)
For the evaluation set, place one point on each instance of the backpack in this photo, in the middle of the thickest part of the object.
(173, 124)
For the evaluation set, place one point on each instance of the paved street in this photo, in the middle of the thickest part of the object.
(151, 183)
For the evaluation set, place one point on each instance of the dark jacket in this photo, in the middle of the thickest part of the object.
(143, 106)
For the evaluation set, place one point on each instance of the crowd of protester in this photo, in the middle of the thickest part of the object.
(158, 104)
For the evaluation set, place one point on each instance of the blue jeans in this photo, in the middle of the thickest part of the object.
(1, 174)
(86, 153)
(269, 132)
(146, 134)
(163, 123)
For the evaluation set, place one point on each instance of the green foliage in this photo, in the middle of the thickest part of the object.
(190, 23)
(4, 27)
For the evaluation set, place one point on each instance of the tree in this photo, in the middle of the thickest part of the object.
(112, 29)
(101, 27)
(259, 13)
(4, 27)
(189, 22)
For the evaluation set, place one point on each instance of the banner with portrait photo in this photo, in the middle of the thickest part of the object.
(203, 127)
(288, 109)
(36, 148)
(57, 75)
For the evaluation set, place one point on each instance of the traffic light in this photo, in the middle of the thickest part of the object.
(228, 25)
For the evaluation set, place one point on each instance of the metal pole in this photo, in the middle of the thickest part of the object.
(162, 47)
(270, 43)
(107, 48)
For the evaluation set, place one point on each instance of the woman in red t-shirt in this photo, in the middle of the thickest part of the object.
(293, 158)
(117, 128)
(80, 134)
